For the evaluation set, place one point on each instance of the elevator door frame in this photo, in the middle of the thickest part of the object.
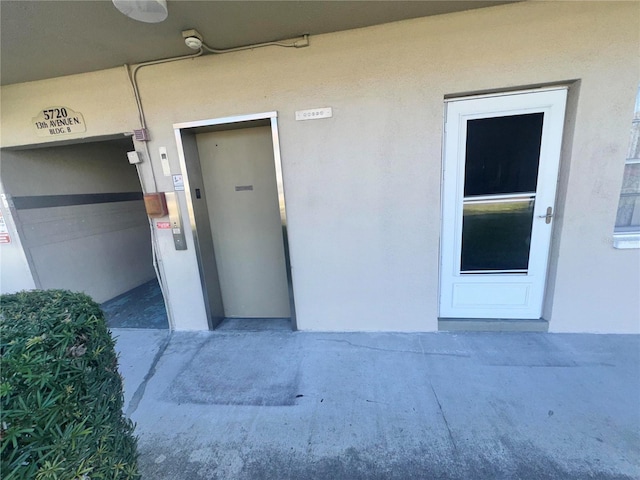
(231, 123)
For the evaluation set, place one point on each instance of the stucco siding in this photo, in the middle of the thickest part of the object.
(363, 187)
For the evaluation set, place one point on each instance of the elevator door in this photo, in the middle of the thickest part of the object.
(242, 200)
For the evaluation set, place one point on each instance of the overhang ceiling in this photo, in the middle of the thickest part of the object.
(52, 38)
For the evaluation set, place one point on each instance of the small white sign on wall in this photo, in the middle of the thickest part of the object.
(178, 183)
(4, 232)
(314, 113)
(56, 121)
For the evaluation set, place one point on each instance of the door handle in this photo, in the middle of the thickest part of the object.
(548, 216)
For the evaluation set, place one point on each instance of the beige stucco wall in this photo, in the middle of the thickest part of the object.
(104, 98)
(363, 188)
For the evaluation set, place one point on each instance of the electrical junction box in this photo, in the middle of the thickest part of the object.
(141, 135)
(134, 157)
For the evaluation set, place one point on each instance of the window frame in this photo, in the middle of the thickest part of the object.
(629, 237)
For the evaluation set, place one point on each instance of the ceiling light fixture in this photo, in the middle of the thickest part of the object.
(148, 11)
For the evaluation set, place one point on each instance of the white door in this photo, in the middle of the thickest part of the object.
(238, 172)
(501, 158)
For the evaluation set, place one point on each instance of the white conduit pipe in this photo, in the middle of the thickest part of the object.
(304, 42)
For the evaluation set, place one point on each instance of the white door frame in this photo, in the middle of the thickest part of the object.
(498, 295)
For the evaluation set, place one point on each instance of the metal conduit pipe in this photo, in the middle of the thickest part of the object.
(131, 75)
(304, 42)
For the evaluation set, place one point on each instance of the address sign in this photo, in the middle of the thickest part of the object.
(54, 121)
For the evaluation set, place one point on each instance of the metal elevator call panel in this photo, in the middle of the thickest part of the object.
(179, 240)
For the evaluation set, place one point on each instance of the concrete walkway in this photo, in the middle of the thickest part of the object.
(282, 405)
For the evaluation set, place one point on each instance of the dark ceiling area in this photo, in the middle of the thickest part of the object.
(52, 38)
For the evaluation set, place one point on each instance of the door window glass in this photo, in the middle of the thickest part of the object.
(501, 174)
(496, 236)
(502, 154)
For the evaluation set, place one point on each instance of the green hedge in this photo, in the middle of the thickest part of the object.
(61, 392)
